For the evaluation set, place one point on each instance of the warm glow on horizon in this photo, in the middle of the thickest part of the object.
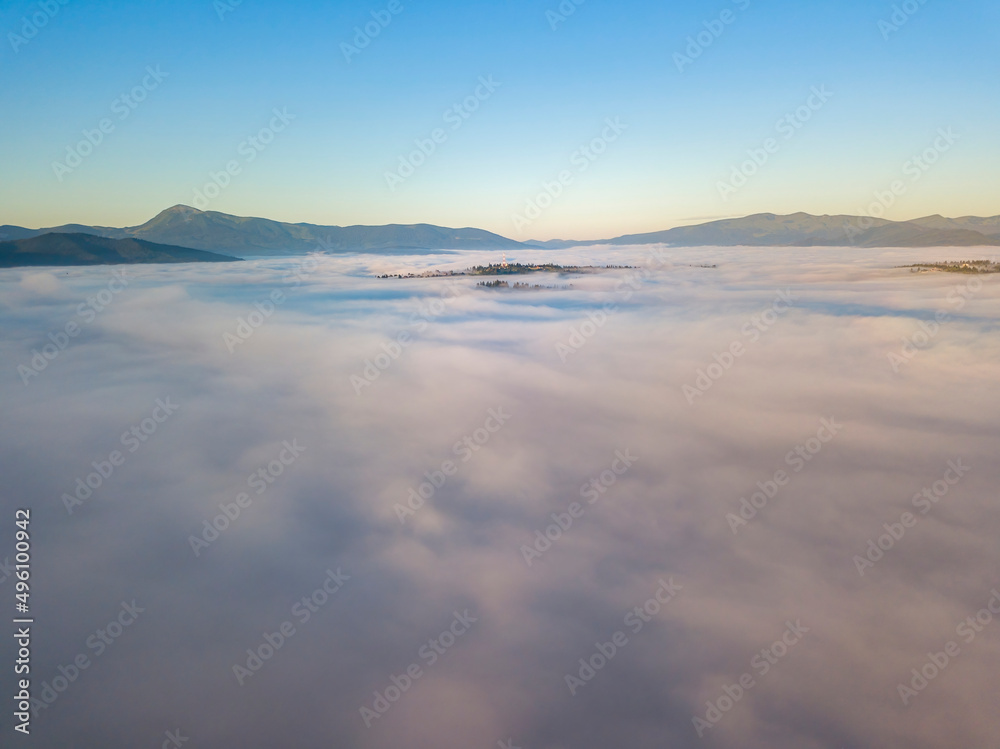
(413, 129)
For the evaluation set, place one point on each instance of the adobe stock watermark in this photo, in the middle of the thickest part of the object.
(133, 438)
(698, 43)
(787, 126)
(122, 106)
(99, 643)
(635, 620)
(430, 652)
(924, 501)
(304, 268)
(592, 491)
(363, 36)
(247, 326)
(915, 168)
(464, 448)
(250, 148)
(626, 288)
(580, 334)
(582, 159)
(968, 629)
(636, 277)
(174, 739)
(455, 116)
(796, 459)
(303, 610)
(762, 663)
(562, 12)
(420, 319)
(225, 7)
(752, 330)
(87, 311)
(6, 570)
(265, 308)
(260, 480)
(901, 15)
(38, 20)
(921, 339)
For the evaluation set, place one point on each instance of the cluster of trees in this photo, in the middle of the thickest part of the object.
(512, 268)
(498, 284)
(959, 266)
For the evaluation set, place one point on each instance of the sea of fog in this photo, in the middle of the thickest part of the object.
(727, 497)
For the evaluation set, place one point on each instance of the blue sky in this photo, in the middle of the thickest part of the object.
(683, 132)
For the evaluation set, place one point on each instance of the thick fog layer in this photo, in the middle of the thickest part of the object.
(728, 497)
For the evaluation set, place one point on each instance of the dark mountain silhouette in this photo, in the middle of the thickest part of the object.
(87, 249)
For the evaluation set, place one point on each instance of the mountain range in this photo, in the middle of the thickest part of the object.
(185, 227)
(805, 230)
(220, 232)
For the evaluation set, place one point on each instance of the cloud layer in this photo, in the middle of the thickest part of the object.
(634, 362)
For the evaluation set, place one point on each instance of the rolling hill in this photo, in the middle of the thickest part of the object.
(87, 249)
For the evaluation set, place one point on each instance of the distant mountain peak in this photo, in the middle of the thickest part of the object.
(184, 226)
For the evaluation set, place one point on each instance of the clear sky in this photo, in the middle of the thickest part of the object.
(554, 78)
